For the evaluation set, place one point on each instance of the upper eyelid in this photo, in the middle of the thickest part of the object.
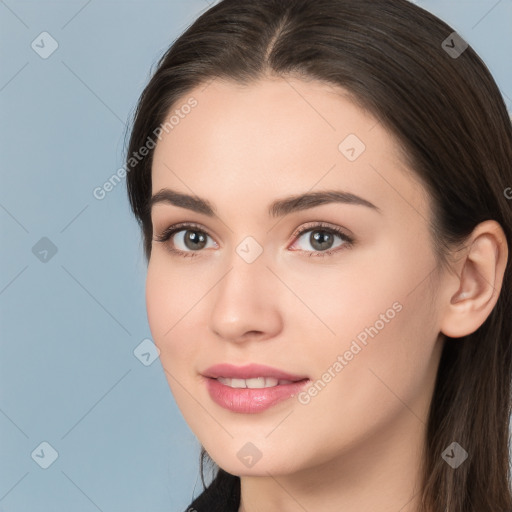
(308, 226)
(304, 228)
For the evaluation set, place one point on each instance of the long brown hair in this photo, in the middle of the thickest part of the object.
(441, 103)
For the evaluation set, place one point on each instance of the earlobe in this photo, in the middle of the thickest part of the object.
(480, 277)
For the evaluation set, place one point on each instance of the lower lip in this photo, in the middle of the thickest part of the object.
(250, 401)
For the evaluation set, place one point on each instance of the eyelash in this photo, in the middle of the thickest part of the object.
(176, 228)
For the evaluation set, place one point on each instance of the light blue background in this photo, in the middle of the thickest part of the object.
(68, 375)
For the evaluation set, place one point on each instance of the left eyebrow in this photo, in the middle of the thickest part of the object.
(278, 208)
(310, 200)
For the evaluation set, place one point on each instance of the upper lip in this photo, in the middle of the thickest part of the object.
(248, 372)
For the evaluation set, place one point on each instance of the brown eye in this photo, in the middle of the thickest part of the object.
(321, 239)
(194, 239)
(184, 239)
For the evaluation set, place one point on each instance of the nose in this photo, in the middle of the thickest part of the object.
(246, 302)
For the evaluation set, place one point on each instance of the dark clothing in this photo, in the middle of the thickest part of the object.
(222, 495)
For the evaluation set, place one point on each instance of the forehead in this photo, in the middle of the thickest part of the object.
(277, 135)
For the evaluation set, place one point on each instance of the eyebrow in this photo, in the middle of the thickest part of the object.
(278, 208)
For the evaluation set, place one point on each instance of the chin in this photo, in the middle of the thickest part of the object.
(248, 460)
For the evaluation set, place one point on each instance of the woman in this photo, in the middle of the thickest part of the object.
(321, 187)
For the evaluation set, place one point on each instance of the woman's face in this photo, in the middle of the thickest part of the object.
(356, 313)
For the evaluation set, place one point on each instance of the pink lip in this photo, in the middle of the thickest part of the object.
(245, 400)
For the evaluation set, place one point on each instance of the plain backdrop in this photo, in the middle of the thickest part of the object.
(72, 268)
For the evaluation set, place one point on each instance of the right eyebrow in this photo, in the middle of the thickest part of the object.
(196, 204)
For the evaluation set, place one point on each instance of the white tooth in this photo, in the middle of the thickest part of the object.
(270, 382)
(255, 383)
(238, 383)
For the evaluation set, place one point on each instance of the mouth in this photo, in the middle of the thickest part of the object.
(254, 383)
(249, 372)
(252, 388)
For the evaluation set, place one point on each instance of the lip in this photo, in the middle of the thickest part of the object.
(246, 400)
(248, 372)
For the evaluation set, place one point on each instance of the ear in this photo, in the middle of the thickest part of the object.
(475, 288)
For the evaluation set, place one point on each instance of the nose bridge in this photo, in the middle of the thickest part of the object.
(244, 284)
(244, 301)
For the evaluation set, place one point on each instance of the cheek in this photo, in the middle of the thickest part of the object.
(390, 376)
(175, 303)
(391, 372)
(165, 301)
(167, 320)
(385, 332)
(358, 301)
(169, 294)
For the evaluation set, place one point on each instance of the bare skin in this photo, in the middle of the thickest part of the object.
(356, 445)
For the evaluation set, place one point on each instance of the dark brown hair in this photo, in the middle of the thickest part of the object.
(448, 116)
